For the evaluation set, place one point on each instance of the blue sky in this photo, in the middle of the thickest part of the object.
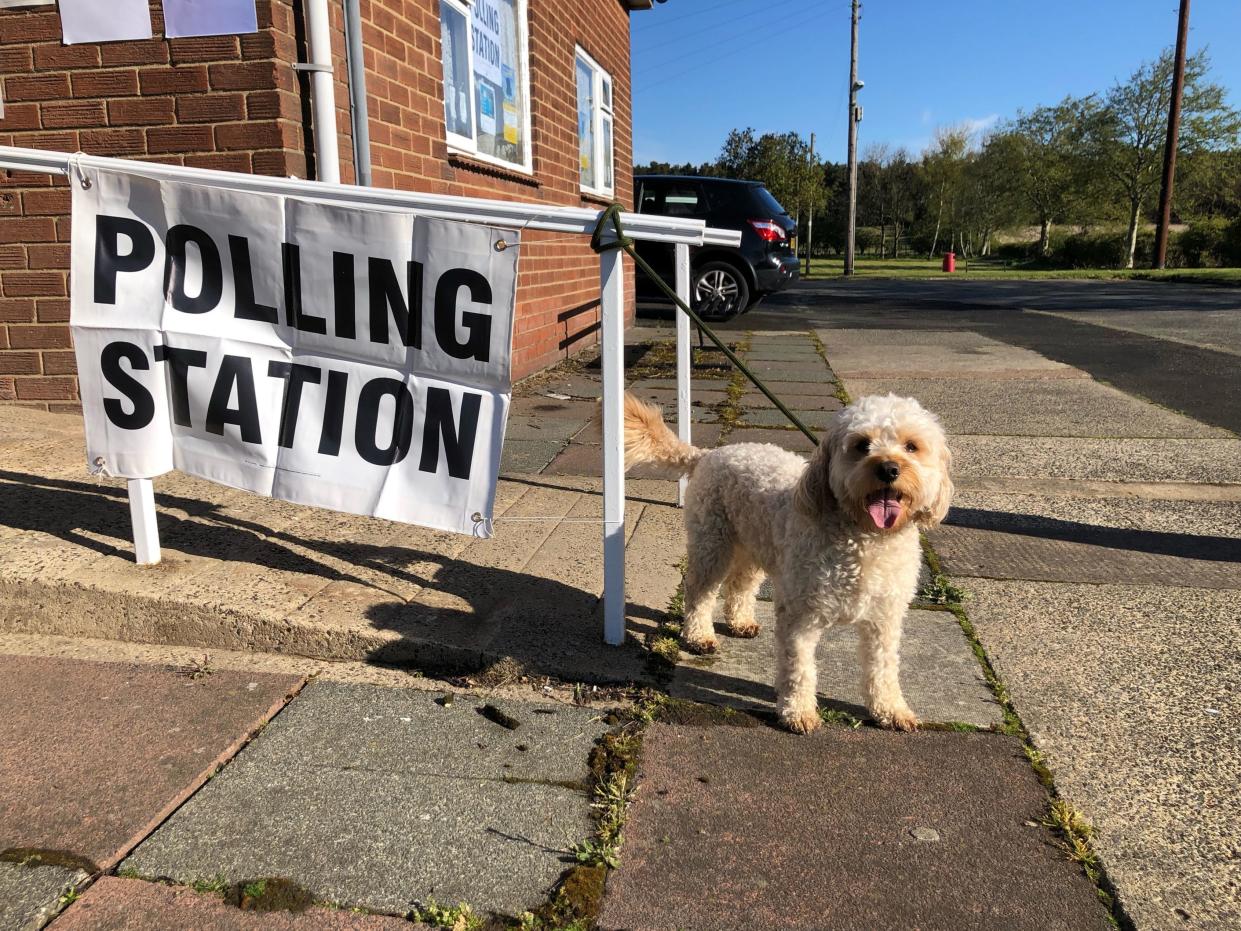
(703, 67)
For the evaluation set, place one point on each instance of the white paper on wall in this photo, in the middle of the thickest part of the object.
(209, 17)
(111, 21)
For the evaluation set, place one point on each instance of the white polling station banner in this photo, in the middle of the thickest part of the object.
(344, 357)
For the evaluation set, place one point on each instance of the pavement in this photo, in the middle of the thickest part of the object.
(1096, 528)
(310, 720)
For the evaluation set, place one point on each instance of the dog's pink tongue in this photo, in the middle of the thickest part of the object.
(884, 510)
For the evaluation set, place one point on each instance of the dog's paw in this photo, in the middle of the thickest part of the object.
(801, 722)
(701, 647)
(896, 719)
(746, 630)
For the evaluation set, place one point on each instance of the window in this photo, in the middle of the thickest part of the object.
(594, 125)
(487, 79)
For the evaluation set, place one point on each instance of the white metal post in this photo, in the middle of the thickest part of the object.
(684, 351)
(612, 313)
(142, 513)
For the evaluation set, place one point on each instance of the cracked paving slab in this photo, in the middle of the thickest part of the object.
(422, 800)
(853, 830)
(30, 896)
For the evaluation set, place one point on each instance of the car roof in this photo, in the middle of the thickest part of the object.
(706, 179)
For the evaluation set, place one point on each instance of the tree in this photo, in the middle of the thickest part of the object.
(942, 166)
(991, 201)
(1044, 149)
(1128, 132)
(782, 161)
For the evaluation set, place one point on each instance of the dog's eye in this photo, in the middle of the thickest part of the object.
(862, 446)
(911, 447)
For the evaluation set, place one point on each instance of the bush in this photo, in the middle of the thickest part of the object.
(1090, 250)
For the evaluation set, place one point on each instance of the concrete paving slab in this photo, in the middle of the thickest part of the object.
(314, 583)
(1081, 539)
(845, 830)
(575, 385)
(1131, 694)
(421, 800)
(801, 402)
(794, 354)
(30, 895)
(132, 742)
(824, 387)
(525, 457)
(771, 417)
(697, 385)
(777, 372)
(940, 676)
(543, 428)
(1108, 460)
(790, 439)
(1060, 407)
(864, 354)
(114, 904)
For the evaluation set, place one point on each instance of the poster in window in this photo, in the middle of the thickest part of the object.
(486, 109)
(485, 29)
(510, 115)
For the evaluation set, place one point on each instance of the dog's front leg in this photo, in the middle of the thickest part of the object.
(797, 702)
(879, 647)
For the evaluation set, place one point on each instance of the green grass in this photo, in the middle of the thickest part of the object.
(988, 269)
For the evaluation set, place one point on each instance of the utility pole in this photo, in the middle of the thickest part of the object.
(854, 115)
(1174, 134)
(810, 217)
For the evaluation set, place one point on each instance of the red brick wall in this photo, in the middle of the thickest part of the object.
(235, 103)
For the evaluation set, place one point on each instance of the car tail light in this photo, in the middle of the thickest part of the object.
(768, 230)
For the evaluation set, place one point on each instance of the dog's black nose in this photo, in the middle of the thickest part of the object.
(888, 471)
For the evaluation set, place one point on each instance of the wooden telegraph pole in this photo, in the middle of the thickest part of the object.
(1174, 134)
(854, 115)
(810, 217)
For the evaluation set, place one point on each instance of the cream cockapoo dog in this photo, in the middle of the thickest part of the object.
(838, 536)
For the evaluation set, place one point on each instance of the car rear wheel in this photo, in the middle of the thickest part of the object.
(720, 291)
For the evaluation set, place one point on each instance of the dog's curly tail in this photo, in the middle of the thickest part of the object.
(648, 439)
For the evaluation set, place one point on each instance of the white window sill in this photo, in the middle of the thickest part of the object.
(476, 156)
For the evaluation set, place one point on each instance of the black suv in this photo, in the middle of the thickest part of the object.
(726, 281)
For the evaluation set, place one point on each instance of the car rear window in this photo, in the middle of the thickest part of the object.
(765, 202)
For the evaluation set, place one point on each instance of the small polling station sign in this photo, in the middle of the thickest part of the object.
(350, 358)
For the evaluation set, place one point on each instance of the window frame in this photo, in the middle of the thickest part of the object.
(599, 77)
(466, 145)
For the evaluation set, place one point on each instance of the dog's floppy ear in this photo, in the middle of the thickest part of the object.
(813, 494)
(937, 510)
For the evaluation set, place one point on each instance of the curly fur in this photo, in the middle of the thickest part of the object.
(754, 509)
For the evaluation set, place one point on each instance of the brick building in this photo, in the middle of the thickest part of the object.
(541, 115)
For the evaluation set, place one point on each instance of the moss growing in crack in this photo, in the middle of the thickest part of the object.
(459, 917)
(840, 393)
(940, 590)
(839, 717)
(272, 894)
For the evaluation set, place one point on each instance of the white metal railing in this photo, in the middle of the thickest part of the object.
(680, 232)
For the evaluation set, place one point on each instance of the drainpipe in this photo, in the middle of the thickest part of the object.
(357, 92)
(327, 150)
